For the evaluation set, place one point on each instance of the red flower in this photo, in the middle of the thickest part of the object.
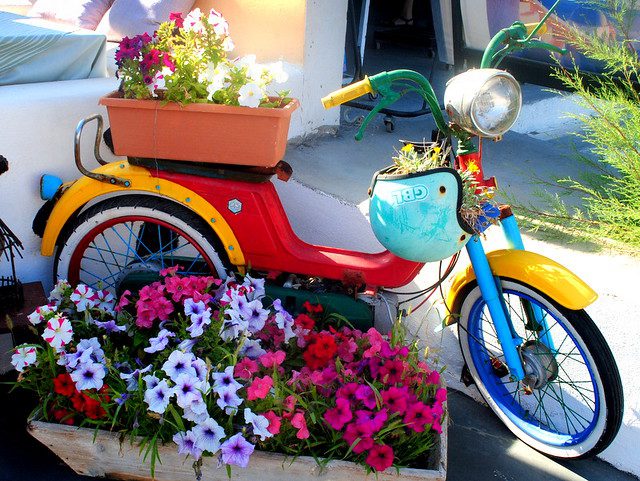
(245, 369)
(380, 457)
(93, 409)
(62, 416)
(63, 384)
(78, 400)
(177, 18)
(311, 308)
(305, 322)
(259, 388)
(320, 351)
(274, 422)
(298, 422)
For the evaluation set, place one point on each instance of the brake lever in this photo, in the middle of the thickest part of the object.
(384, 102)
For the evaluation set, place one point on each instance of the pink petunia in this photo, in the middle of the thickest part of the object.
(395, 399)
(338, 416)
(170, 271)
(245, 369)
(380, 457)
(375, 339)
(272, 359)
(298, 421)
(417, 416)
(124, 301)
(348, 391)
(355, 431)
(274, 422)
(441, 395)
(372, 421)
(391, 372)
(366, 395)
(259, 388)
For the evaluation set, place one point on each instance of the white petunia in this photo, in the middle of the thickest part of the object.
(276, 70)
(208, 435)
(158, 397)
(89, 376)
(23, 356)
(179, 363)
(58, 332)
(258, 423)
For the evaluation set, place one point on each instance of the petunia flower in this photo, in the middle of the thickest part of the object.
(179, 363)
(256, 285)
(63, 384)
(187, 389)
(360, 433)
(257, 316)
(298, 421)
(208, 435)
(338, 416)
(236, 451)
(89, 376)
(224, 380)
(274, 422)
(58, 332)
(380, 457)
(395, 399)
(133, 378)
(186, 442)
(41, 313)
(83, 297)
(251, 349)
(259, 388)
(417, 416)
(372, 420)
(259, 424)
(160, 342)
(104, 300)
(245, 369)
(229, 400)
(158, 397)
(110, 326)
(366, 395)
(250, 95)
(58, 292)
(23, 357)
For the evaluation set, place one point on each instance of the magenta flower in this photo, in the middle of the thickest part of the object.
(274, 422)
(372, 420)
(176, 17)
(339, 415)
(348, 392)
(417, 416)
(380, 457)
(236, 451)
(375, 339)
(391, 372)
(245, 369)
(395, 399)
(365, 394)
(259, 388)
(355, 432)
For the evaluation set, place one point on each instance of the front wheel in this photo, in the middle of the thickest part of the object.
(570, 404)
(124, 242)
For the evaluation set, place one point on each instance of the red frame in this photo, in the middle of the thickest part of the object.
(269, 243)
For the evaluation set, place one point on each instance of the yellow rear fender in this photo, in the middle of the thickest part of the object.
(539, 272)
(84, 190)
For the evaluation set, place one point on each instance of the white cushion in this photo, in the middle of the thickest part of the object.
(127, 18)
(82, 13)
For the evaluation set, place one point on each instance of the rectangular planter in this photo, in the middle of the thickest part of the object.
(102, 454)
(220, 134)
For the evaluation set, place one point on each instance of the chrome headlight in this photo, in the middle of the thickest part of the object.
(485, 102)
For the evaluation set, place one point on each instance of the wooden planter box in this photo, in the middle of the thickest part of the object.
(220, 134)
(103, 455)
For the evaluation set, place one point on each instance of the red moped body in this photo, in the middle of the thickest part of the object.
(256, 216)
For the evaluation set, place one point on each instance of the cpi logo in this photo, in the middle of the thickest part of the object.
(410, 194)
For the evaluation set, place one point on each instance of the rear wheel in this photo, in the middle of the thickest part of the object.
(570, 404)
(124, 242)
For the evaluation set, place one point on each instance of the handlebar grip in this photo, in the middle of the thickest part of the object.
(347, 93)
(532, 26)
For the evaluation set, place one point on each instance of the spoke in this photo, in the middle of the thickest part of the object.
(564, 408)
(130, 249)
(577, 390)
(576, 415)
(97, 277)
(106, 241)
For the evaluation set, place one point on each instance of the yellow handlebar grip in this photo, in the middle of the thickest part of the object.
(347, 93)
(531, 26)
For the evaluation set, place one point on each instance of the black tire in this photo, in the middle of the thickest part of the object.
(112, 241)
(564, 391)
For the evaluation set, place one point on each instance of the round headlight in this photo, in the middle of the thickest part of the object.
(485, 102)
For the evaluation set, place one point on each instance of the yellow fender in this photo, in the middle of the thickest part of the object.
(83, 190)
(538, 271)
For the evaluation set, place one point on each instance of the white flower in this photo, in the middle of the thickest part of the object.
(277, 72)
(105, 300)
(257, 316)
(89, 376)
(250, 95)
(258, 423)
(179, 363)
(187, 389)
(57, 293)
(252, 349)
(41, 313)
(158, 397)
(58, 332)
(23, 356)
(194, 412)
(208, 435)
(83, 297)
(193, 23)
(228, 45)
(218, 22)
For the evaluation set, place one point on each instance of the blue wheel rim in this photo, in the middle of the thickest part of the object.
(539, 424)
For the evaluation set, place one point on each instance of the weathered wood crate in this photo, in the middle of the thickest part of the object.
(102, 454)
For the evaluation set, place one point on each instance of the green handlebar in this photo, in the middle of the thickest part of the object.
(382, 84)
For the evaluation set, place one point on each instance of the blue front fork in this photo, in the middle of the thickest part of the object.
(491, 290)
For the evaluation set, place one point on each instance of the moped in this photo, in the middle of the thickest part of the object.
(533, 352)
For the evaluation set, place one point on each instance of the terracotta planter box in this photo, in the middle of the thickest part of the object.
(219, 134)
(103, 455)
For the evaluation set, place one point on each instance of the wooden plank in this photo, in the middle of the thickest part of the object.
(101, 454)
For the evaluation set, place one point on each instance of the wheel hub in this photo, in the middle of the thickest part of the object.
(540, 365)
(136, 275)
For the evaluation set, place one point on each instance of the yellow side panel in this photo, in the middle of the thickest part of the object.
(85, 189)
(541, 273)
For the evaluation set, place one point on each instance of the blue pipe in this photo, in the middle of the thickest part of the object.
(493, 299)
